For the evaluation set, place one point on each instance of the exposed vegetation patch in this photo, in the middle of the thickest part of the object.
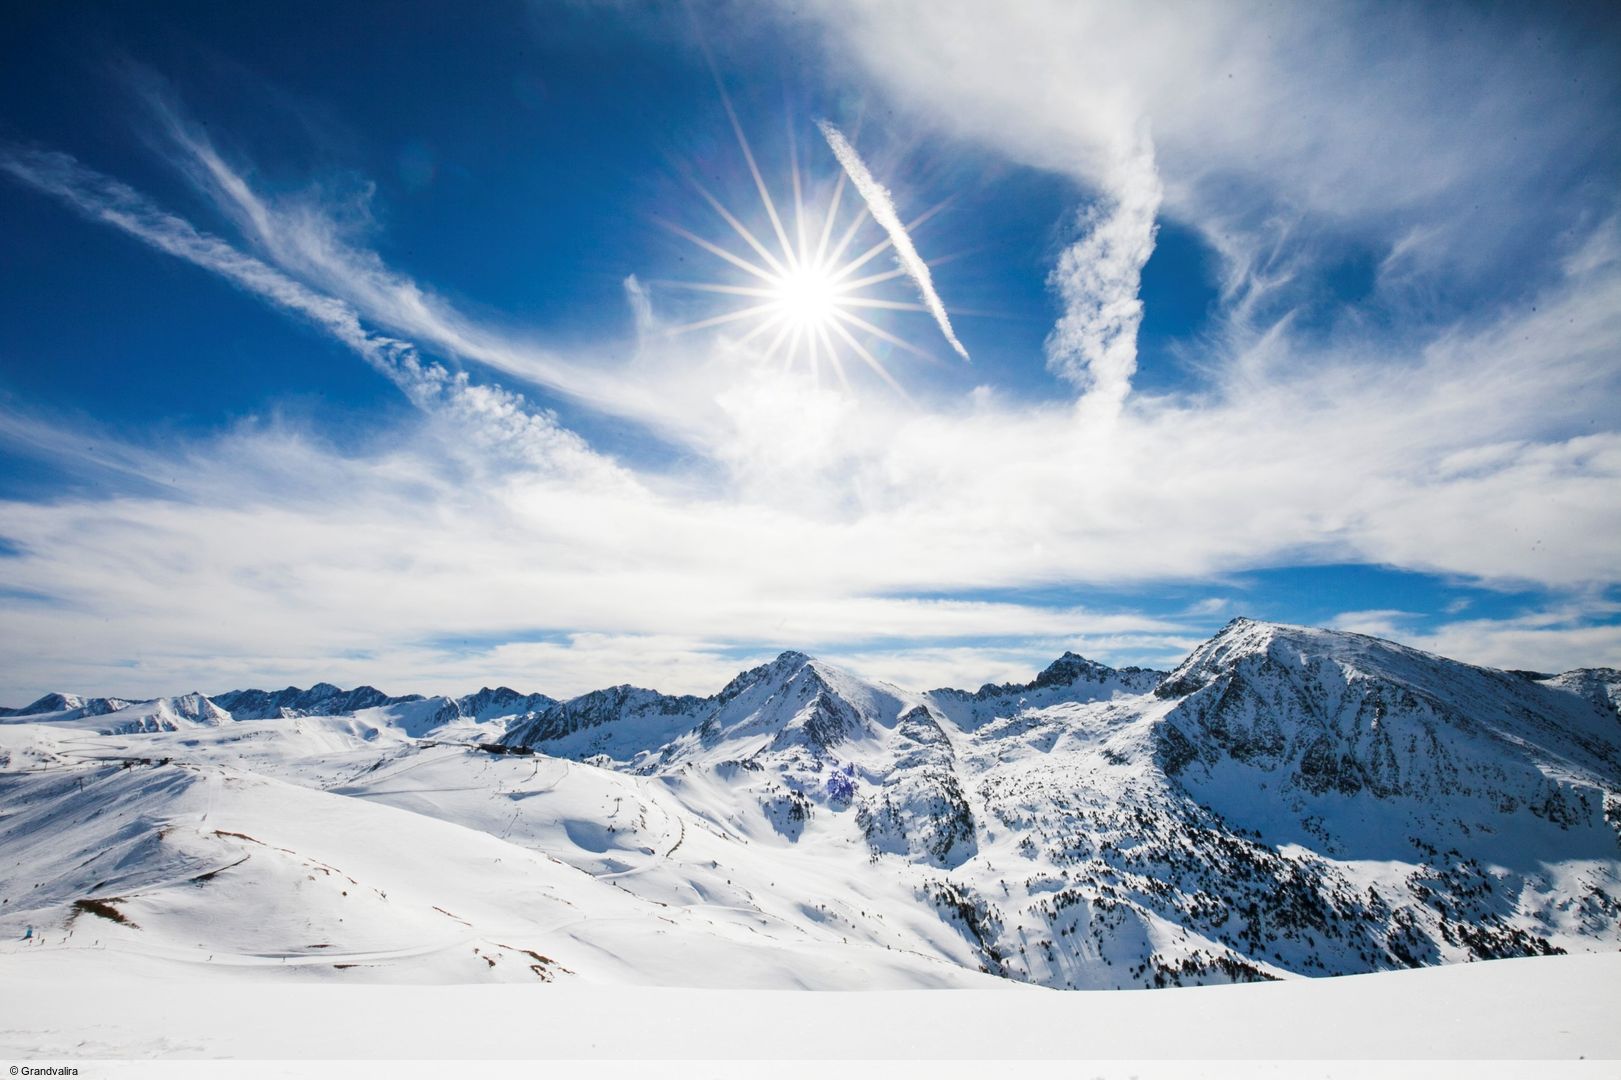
(104, 909)
(543, 966)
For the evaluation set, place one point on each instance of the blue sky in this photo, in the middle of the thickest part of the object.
(376, 345)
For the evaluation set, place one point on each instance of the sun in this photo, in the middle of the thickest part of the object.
(808, 296)
(801, 297)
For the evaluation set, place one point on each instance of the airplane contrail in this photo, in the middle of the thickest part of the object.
(882, 208)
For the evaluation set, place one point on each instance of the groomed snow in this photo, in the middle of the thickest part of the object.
(85, 1006)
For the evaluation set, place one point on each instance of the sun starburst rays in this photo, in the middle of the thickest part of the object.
(798, 299)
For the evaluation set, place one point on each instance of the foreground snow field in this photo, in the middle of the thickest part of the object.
(77, 1006)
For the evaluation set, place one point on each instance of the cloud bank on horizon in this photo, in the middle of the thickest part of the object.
(567, 513)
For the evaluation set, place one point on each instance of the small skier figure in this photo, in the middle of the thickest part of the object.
(28, 934)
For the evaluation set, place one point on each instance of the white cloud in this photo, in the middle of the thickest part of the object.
(378, 557)
(1579, 633)
(273, 553)
(882, 207)
(1094, 344)
(1387, 623)
(1333, 108)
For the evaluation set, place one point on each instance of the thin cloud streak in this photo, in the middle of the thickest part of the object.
(882, 208)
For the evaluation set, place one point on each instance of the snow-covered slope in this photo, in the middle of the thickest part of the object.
(1287, 802)
(1504, 1020)
(202, 866)
(1601, 686)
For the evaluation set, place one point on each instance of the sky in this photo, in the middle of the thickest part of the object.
(559, 345)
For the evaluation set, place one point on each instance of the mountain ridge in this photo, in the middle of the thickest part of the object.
(1601, 684)
(1288, 801)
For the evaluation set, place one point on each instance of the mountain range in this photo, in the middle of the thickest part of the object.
(1287, 802)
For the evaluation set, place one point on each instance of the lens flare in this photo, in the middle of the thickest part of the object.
(800, 294)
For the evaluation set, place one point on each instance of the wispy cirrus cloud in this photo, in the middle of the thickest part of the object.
(501, 420)
(309, 241)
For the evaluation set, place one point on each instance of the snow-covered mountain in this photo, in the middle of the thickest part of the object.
(322, 699)
(501, 702)
(1070, 678)
(60, 706)
(417, 713)
(619, 721)
(115, 716)
(1287, 802)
